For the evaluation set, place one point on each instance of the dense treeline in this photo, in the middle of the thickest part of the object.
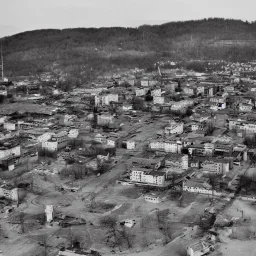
(82, 49)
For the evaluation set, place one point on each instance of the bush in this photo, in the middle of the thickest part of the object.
(1, 98)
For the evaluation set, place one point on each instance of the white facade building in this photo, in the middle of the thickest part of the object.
(158, 100)
(6, 152)
(167, 146)
(176, 128)
(140, 92)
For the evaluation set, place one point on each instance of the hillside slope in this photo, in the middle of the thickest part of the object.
(78, 51)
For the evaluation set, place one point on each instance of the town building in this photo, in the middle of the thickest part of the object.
(197, 186)
(174, 128)
(150, 177)
(215, 166)
(177, 161)
(105, 119)
(9, 150)
(166, 145)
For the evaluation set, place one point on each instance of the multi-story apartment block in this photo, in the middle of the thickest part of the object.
(148, 177)
(242, 126)
(165, 145)
(206, 149)
(216, 166)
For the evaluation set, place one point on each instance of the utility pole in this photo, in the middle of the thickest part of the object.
(2, 63)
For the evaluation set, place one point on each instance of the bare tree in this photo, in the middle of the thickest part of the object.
(113, 236)
(43, 242)
(92, 200)
(127, 236)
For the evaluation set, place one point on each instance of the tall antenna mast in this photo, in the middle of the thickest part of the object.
(2, 63)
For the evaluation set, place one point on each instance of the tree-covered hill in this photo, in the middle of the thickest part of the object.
(80, 50)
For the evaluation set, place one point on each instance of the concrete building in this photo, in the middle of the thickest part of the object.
(197, 126)
(206, 149)
(190, 90)
(49, 211)
(153, 199)
(178, 161)
(8, 151)
(101, 138)
(148, 177)
(156, 92)
(182, 105)
(174, 128)
(111, 141)
(127, 107)
(216, 166)
(144, 82)
(165, 145)
(197, 186)
(199, 249)
(105, 99)
(11, 126)
(57, 142)
(9, 193)
(245, 107)
(242, 126)
(140, 92)
(105, 119)
(130, 144)
(73, 133)
(45, 137)
(158, 100)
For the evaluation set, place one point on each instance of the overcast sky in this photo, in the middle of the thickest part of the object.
(22, 15)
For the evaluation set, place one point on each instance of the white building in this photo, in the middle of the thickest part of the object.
(49, 211)
(50, 145)
(73, 133)
(6, 152)
(105, 99)
(177, 161)
(176, 128)
(130, 144)
(181, 105)
(105, 119)
(9, 126)
(149, 177)
(156, 92)
(3, 119)
(158, 100)
(45, 137)
(140, 92)
(245, 107)
(167, 146)
(199, 187)
(100, 138)
(144, 83)
(153, 199)
(127, 107)
(58, 141)
(12, 194)
(111, 142)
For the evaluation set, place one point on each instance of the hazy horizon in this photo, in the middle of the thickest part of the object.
(27, 15)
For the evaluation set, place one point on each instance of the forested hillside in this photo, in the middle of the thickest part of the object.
(79, 51)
